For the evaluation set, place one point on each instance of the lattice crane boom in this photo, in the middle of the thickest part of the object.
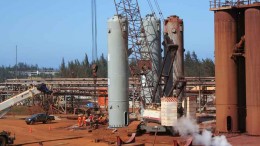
(140, 58)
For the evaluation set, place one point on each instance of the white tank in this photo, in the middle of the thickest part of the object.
(118, 98)
(152, 28)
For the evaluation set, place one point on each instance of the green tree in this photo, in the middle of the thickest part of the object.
(63, 69)
(208, 67)
(194, 67)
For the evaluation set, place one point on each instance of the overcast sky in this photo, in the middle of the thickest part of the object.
(45, 31)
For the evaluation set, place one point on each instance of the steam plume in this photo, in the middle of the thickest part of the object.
(186, 126)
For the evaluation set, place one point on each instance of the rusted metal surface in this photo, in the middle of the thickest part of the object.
(130, 140)
(173, 27)
(252, 33)
(225, 70)
(231, 4)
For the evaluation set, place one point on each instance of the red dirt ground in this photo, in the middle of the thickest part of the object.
(60, 133)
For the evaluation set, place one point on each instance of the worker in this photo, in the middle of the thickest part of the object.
(95, 121)
(84, 120)
(79, 120)
(100, 119)
(90, 119)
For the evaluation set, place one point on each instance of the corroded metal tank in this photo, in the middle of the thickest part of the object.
(252, 34)
(118, 102)
(225, 71)
(173, 25)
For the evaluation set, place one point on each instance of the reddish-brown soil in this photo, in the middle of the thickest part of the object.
(61, 132)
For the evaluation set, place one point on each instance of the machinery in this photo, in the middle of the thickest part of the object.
(146, 66)
(6, 138)
(6, 105)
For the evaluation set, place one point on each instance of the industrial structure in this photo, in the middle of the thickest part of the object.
(154, 84)
(66, 92)
(173, 27)
(118, 72)
(157, 83)
(237, 65)
(144, 51)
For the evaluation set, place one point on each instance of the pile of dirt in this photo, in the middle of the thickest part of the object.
(18, 110)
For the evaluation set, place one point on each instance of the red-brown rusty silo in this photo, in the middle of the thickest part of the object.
(225, 71)
(173, 25)
(252, 51)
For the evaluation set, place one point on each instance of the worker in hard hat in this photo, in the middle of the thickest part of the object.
(84, 120)
(79, 120)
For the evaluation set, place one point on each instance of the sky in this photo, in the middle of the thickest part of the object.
(45, 31)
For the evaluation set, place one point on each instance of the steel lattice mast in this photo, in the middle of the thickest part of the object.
(140, 59)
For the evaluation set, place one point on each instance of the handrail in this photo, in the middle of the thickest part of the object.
(230, 3)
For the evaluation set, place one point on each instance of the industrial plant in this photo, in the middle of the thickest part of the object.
(146, 98)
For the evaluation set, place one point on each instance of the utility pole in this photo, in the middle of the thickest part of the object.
(16, 63)
(94, 46)
(94, 30)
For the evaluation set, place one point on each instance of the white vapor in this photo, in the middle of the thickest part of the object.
(186, 126)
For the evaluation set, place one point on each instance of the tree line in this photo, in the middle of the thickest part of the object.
(193, 67)
(20, 70)
(83, 69)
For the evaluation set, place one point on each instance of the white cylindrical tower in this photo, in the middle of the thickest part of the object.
(152, 28)
(118, 100)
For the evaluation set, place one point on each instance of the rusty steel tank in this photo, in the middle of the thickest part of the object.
(225, 71)
(252, 34)
(173, 26)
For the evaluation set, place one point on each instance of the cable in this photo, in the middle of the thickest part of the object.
(151, 6)
(158, 8)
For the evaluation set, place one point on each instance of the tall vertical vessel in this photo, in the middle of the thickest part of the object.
(118, 102)
(152, 28)
(252, 51)
(225, 71)
(173, 26)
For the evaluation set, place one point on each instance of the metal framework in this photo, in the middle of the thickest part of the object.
(140, 58)
(66, 90)
(231, 3)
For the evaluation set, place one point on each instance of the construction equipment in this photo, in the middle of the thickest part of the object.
(144, 68)
(5, 138)
(6, 105)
